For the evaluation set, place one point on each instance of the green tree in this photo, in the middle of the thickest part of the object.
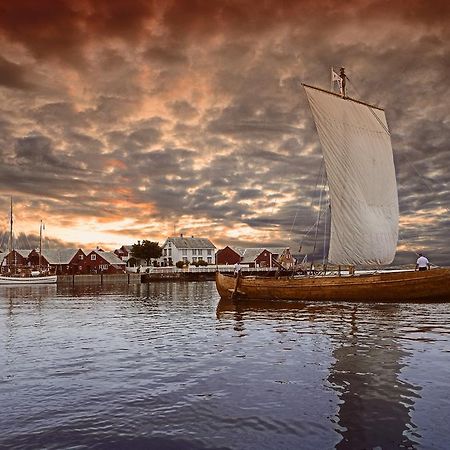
(146, 250)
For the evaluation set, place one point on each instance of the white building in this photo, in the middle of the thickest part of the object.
(187, 249)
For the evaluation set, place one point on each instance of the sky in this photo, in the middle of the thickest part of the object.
(129, 120)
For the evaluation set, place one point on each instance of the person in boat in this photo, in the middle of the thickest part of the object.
(237, 269)
(343, 81)
(422, 263)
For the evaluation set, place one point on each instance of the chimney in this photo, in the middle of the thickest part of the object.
(181, 234)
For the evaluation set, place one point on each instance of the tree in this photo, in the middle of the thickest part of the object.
(146, 250)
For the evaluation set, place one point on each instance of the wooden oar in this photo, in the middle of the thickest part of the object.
(233, 294)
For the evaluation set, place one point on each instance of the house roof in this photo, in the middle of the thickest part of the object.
(238, 250)
(190, 242)
(250, 254)
(110, 257)
(60, 255)
(23, 253)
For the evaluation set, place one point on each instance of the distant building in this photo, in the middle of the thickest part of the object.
(98, 261)
(124, 252)
(261, 257)
(16, 258)
(229, 255)
(60, 261)
(250, 257)
(187, 249)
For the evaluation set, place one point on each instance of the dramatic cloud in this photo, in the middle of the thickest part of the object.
(123, 120)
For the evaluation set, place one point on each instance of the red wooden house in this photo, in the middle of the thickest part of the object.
(229, 255)
(98, 261)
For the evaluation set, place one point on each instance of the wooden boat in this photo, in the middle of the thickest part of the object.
(364, 209)
(409, 286)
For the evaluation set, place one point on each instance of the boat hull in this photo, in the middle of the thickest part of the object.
(48, 279)
(404, 286)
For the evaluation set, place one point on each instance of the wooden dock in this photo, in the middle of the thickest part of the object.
(160, 274)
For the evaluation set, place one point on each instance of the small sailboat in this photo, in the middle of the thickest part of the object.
(28, 275)
(359, 162)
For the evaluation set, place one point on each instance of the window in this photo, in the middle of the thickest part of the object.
(209, 260)
(209, 251)
(93, 257)
(170, 252)
(81, 257)
(184, 251)
(184, 259)
(200, 252)
(194, 251)
(194, 259)
(165, 252)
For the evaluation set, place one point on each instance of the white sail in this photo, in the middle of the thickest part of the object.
(361, 176)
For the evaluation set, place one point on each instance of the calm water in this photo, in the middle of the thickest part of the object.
(172, 367)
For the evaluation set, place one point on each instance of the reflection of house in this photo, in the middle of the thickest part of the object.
(98, 261)
(251, 257)
(188, 249)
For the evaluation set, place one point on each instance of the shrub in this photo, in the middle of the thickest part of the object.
(179, 264)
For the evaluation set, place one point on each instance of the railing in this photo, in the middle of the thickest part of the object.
(193, 269)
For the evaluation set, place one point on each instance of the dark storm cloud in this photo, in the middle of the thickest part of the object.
(13, 75)
(183, 110)
(165, 55)
(61, 29)
(195, 107)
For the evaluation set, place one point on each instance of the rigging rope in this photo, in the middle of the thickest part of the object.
(319, 176)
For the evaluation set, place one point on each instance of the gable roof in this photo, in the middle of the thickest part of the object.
(60, 255)
(23, 253)
(190, 242)
(109, 257)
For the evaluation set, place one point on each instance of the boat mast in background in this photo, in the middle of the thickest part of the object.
(11, 245)
(40, 245)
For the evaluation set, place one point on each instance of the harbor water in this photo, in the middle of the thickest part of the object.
(169, 365)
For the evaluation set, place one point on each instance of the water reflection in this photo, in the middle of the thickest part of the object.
(375, 404)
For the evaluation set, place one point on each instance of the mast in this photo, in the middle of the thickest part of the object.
(40, 246)
(12, 263)
(11, 244)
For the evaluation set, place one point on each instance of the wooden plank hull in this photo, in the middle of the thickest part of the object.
(407, 286)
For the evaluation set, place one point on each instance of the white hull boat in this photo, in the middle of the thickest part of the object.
(44, 279)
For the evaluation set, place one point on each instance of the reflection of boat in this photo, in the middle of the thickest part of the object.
(365, 353)
(27, 275)
(364, 215)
